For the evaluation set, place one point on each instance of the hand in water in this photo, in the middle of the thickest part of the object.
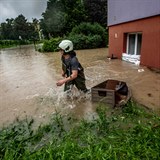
(61, 82)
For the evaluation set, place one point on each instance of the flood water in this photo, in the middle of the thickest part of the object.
(28, 83)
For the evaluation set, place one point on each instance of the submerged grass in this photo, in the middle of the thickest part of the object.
(129, 132)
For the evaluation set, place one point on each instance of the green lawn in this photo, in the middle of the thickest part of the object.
(126, 133)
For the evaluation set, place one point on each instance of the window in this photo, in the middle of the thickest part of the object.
(134, 41)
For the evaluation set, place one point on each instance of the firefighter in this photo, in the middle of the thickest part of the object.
(72, 71)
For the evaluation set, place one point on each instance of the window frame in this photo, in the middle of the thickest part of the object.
(136, 42)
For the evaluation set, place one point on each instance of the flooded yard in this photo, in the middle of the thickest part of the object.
(28, 83)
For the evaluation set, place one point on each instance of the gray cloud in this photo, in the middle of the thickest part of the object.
(29, 8)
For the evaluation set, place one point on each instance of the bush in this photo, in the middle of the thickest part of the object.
(81, 41)
(13, 43)
(93, 35)
(51, 45)
(8, 43)
(84, 36)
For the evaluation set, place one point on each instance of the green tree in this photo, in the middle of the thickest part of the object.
(32, 32)
(61, 16)
(96, 11)
(13, 29)
(21, 27)
(7, 29)
(75, 13)
(37, 29)
(53, 18)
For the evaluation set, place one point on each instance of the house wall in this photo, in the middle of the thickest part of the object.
(120, 11)
(150, 49)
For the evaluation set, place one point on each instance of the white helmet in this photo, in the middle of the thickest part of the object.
(66, 45)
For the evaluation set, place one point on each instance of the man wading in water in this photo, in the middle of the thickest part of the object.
(72, 71)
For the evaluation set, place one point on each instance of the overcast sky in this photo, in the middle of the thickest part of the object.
(28, 8)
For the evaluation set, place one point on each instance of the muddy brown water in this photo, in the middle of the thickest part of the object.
(28, 83)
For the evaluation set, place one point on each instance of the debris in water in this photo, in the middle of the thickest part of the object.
(140, 70)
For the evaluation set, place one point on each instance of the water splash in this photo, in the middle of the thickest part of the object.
(32, 96)
(61, 101)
